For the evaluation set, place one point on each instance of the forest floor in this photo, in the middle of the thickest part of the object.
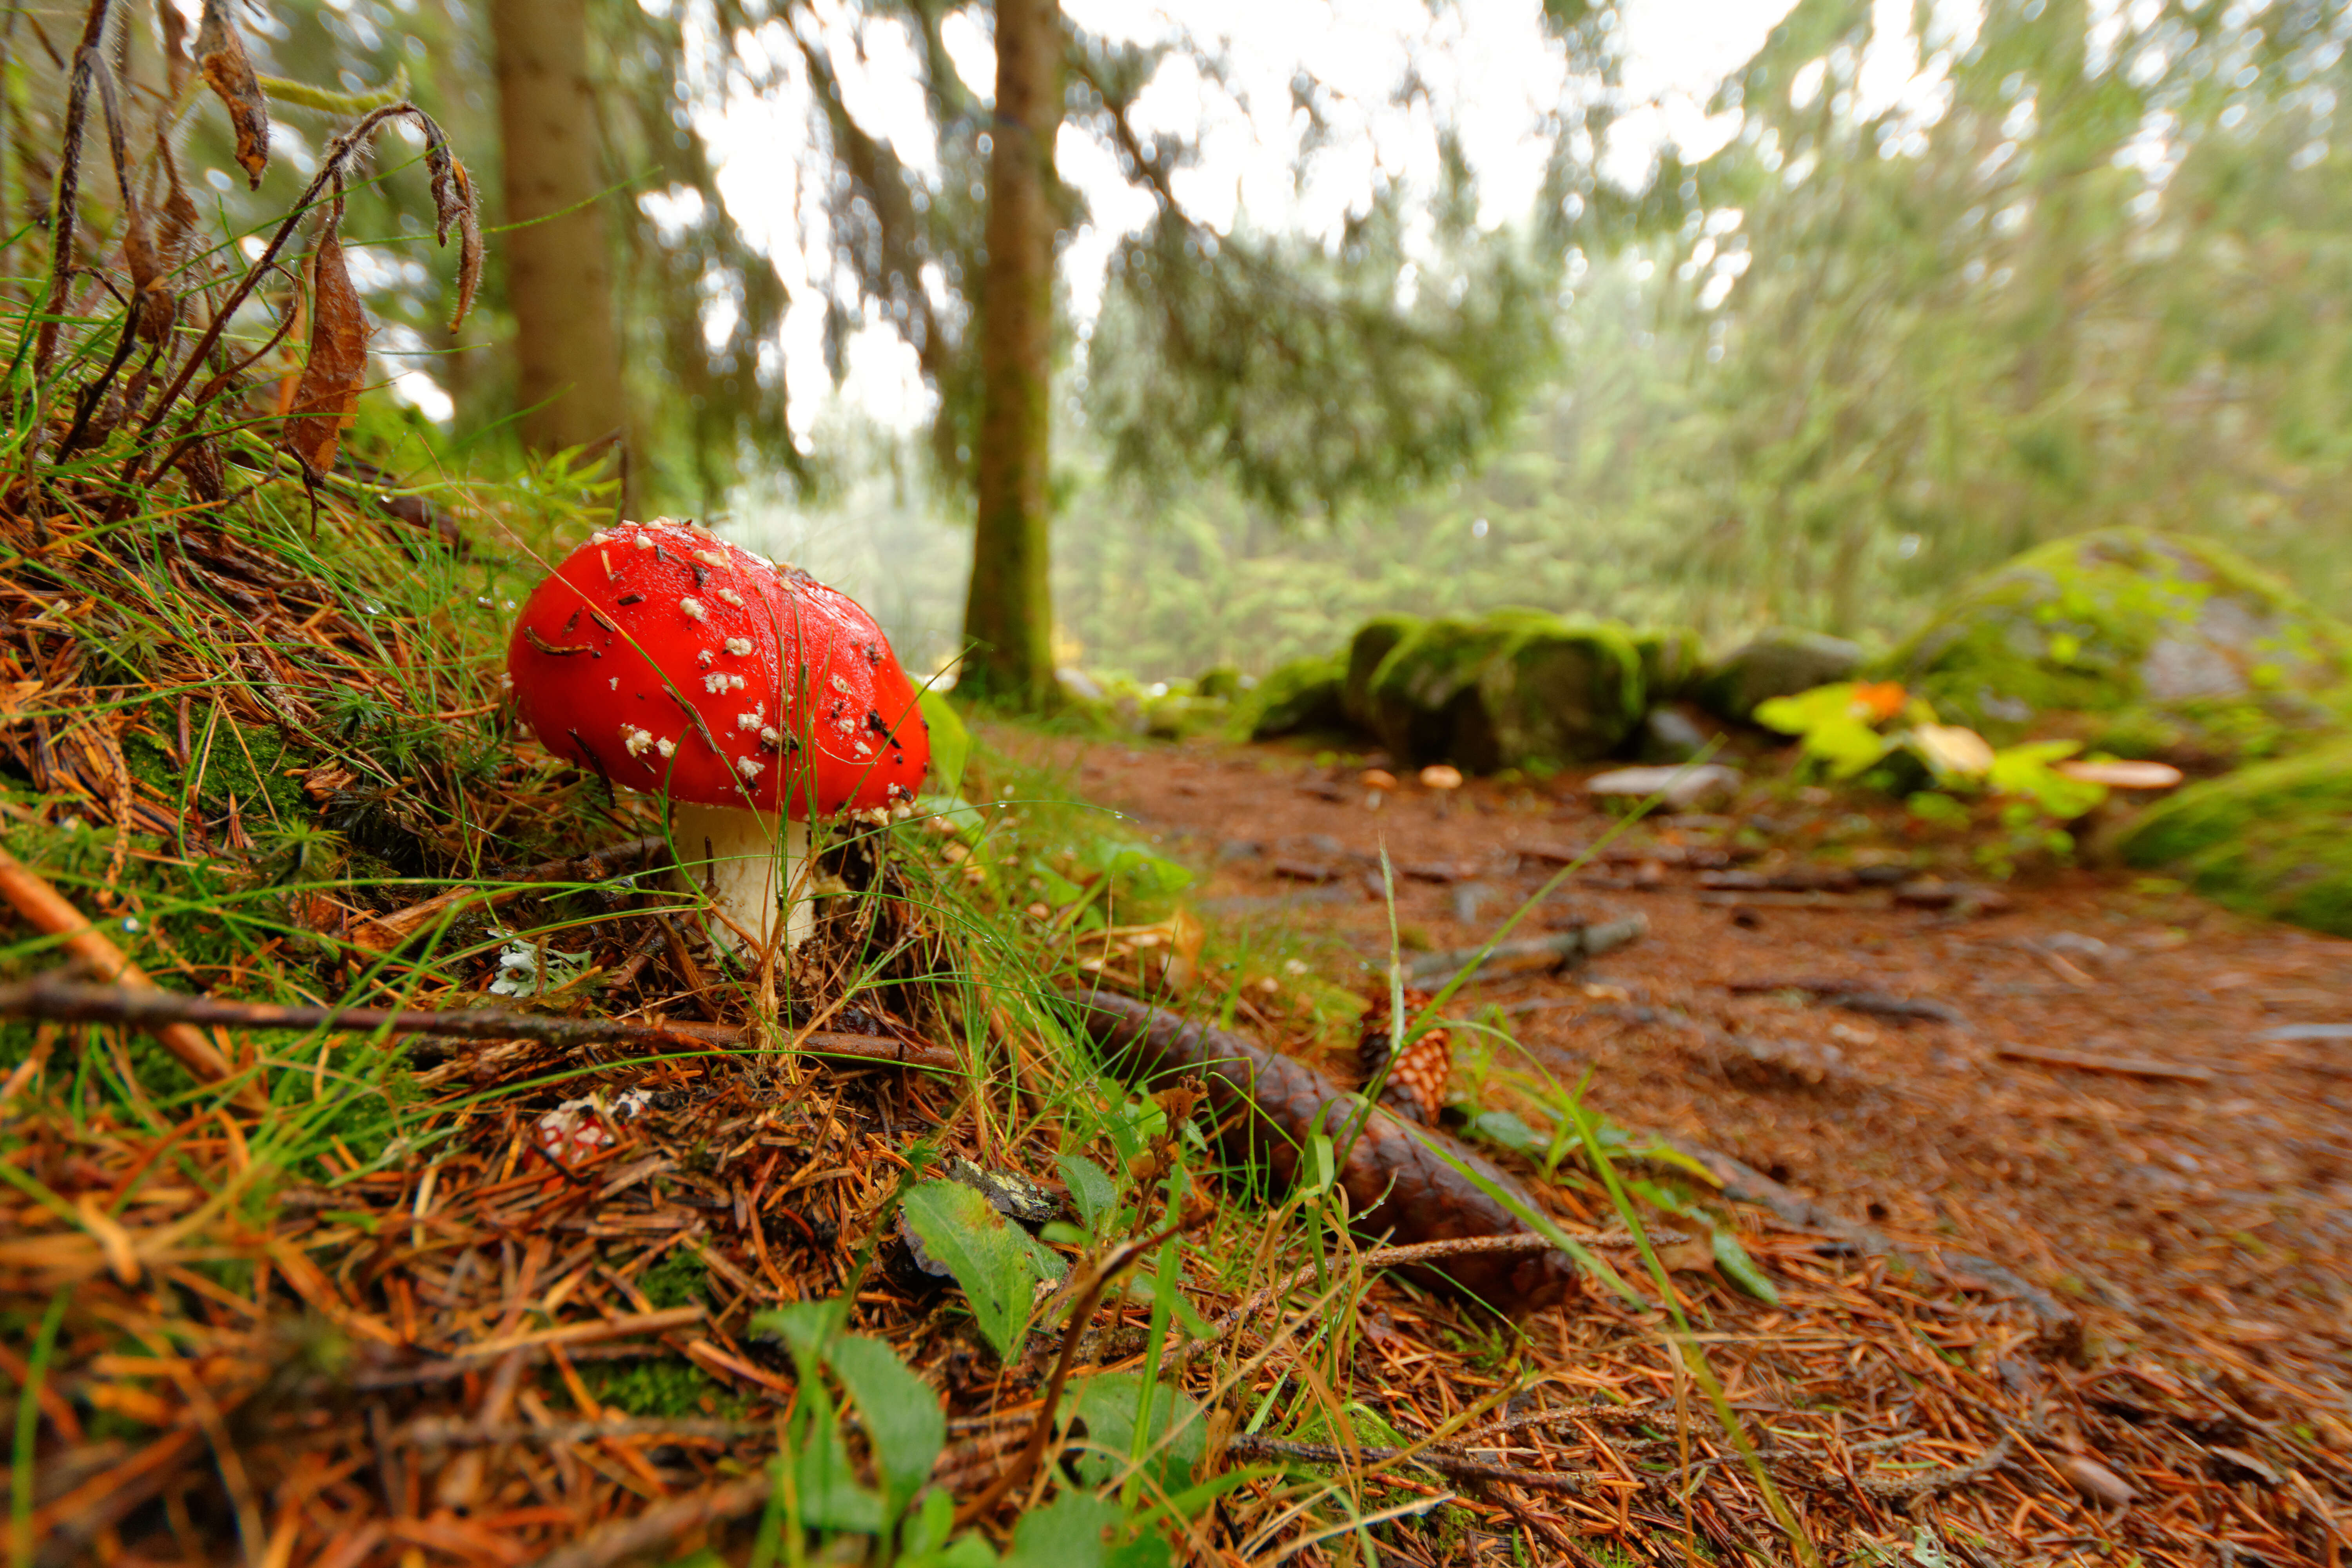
(2187, 1184)
(2123, 1094)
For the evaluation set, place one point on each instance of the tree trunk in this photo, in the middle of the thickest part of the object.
(558, 258)
(1008, 619)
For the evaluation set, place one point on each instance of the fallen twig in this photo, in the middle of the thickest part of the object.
(1547, 952)
(51, 998)
(2089, 1062)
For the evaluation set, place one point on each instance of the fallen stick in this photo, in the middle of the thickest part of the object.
(2088, 1061)
(1542, 951)
(49, 997)
(50, 911)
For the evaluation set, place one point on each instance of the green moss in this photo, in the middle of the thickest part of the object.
(2275, 840)
(1424, 697)
(676, 1280)
(664, 1387)
(1372, 645)
(1305, 694)
(1672, 658)
(1222, 682)
(1561, 691)
(2161, 630)
(248, 762)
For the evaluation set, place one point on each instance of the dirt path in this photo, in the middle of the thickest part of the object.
(2207, 1215)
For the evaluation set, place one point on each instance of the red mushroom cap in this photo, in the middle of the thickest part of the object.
(669, 660)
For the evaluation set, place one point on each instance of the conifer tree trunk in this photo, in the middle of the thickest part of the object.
(1009, 617)
(559, 270)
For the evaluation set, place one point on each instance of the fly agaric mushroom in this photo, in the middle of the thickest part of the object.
(754, 696)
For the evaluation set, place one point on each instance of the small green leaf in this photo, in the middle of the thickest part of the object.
(1066, 1533)
(903, 1418)
(1505, 1130)
(959, 1228)
(1176, 1441)
(1738, 1267)
(830, 1495)
(1091, 1189)
(950, 741)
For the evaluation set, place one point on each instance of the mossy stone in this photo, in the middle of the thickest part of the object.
(1672, 658)
(1304, 694)
(2273, 839)
(1373, 642)
(1221, 683)
(1426, 701)
(1561, 691)
(1515, 689)
(2172, 635)
(1780, 662)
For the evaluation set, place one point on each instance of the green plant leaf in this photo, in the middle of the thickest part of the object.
(831, 1497)
(1175, 1443)
(950, 741)
(1091, 1189)
(903, 1418)
(1506, 1129)
(959, 1228)
(1066, 1533)
(1737, 1266)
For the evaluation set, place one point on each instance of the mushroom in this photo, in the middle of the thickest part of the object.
(752, 696)
(1378, 781)
(1444, 780)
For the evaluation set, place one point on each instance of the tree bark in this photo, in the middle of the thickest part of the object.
(559, 259)
(1008, 618)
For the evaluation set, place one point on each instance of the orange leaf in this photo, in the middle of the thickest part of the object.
(1882, 699)
(228, 71)
(327, 399)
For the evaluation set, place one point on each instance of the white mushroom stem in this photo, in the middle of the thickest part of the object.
(744, 865)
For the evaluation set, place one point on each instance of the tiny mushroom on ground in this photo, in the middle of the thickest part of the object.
(752, 696)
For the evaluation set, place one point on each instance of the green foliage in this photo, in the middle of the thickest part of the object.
(993, 1260)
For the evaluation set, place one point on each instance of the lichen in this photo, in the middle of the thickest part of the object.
(2275, 840)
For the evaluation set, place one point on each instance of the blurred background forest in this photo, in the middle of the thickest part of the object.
(1428, 307)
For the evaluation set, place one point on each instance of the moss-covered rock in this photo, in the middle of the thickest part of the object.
(1305, 694)
(1671, 659)
(2273, 839)
(1222, 682)
(1373, 642)
(1780, 662)
(1425, 698)
(2189, 647)
(1561, 692)
(1510, 689)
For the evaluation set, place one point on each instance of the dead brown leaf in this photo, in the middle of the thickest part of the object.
(228, 71)
(327, 399)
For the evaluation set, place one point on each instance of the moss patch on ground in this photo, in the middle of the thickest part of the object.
(2273, 839)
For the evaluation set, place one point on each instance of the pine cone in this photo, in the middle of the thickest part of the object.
(1416, 1086)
